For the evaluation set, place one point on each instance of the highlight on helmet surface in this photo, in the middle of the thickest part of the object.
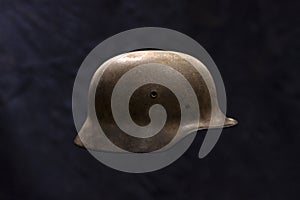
(147, 101)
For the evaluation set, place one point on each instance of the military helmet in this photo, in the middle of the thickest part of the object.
(147, 101)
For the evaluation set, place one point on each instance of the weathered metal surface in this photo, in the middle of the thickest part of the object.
(150, 94)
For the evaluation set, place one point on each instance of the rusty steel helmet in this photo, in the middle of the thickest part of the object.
(147, 101)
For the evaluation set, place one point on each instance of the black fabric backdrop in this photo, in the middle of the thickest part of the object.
(254, 44)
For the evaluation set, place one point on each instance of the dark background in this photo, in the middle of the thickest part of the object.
(254, 44)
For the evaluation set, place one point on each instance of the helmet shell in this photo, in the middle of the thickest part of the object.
(146, 101)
